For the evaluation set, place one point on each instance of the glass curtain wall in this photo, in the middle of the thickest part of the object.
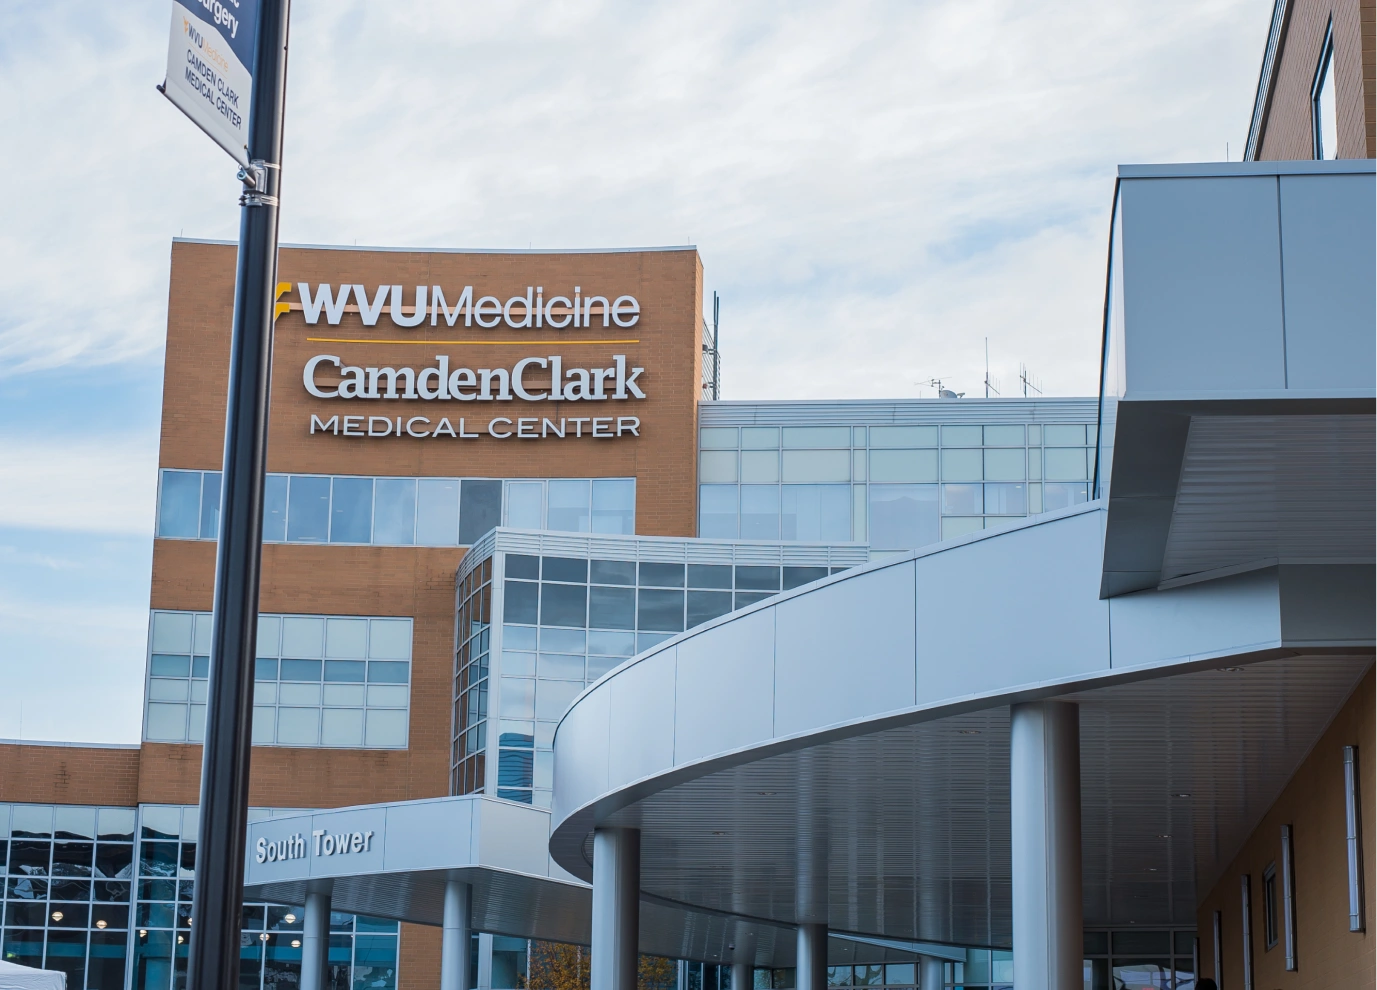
(566, 621)
(319, 681)
(428, 512)
(471, 680)
(896, 487)
(363, 951)
(68, 878)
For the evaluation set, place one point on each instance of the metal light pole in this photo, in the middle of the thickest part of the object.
(219, 891)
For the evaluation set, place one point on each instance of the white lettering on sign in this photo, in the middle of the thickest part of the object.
(617, 383)
(531, 310)
(500, 428)
(338, 843)
(292, 847)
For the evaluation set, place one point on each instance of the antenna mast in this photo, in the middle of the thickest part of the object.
(1028, 382)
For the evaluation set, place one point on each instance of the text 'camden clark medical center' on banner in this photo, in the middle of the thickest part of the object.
(209, 55)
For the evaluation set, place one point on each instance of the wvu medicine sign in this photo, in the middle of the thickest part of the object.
(542, 378)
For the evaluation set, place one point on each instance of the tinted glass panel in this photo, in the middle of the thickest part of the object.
(308, 509)
(563, 605)
(662, 575)
(796, 576)
(709, 575)
(437, 512)
(614, 506)
(394, 513)
(179, 510)
(210, 505)
(480, 509)
(661, 611)
(752, 578)
(343, 670)
(522, 601)
(351, 510)
(611, 608)
(817, 513)
(567, 506)
(564, 569)
(903, 517)
(301, 670)
(717, 511)
(706, 605)
(522, 566)
(612, 571)
(275, 508)
(759, 512)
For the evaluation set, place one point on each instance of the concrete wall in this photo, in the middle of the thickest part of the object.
(1329, 955)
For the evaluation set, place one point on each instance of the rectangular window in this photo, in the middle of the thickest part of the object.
(717, 506)
(568, 506)
(394, 513)
(437, 512)
(1323, 102)
(904, 517)
(179, 505)
(614, 506)
(309, 680)
(759, 437)
(759, 512)
(480, 509)
(816, 513)
(349, 509)
(817, 436)
(308, 509)
(816, 465)
(1271, 928)
(903, 466)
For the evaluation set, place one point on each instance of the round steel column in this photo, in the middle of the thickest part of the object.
(741, 976)
(616, 908)
(455, 937)
(929, 973)
(315, 941)
(811, 972)
(1045, 820)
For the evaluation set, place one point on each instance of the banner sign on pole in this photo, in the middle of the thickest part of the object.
(209, 78)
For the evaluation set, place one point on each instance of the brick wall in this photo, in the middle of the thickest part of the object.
(1287, 127)
(69, 775)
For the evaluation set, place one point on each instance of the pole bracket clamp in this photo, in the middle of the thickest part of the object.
(254, 176)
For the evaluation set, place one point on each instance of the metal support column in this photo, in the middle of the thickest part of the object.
(456, 936)
(929, 973)
(1045, 794)
(217, 902)
(742, 976)
(315, 942)
(616, 908)
(811, 971)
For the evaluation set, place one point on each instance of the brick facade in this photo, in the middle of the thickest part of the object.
(1286, 132)
(416, 582)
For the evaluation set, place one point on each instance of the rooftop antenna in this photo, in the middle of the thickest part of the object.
(990, 386)
(942, 392)
(1028, 382)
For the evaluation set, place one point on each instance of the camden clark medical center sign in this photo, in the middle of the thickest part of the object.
(537, 378)
(208, 77)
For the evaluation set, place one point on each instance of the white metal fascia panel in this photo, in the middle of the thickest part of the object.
(511, 836)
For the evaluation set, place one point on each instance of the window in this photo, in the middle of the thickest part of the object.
(319, 681)
(1270, 921)
(434, 512)
(363, 951)
(567, 621)
(1323, 103)
(67, 899)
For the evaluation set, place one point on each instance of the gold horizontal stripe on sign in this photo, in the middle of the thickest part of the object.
(432, 343)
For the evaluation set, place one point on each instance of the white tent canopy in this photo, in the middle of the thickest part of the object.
(16, 977)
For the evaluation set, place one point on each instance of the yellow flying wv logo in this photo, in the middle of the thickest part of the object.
(282, 289)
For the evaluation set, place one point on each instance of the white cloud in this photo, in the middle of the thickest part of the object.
(96, 485)
(889, 181)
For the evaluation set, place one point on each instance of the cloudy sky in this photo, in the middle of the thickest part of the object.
(875, 188)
